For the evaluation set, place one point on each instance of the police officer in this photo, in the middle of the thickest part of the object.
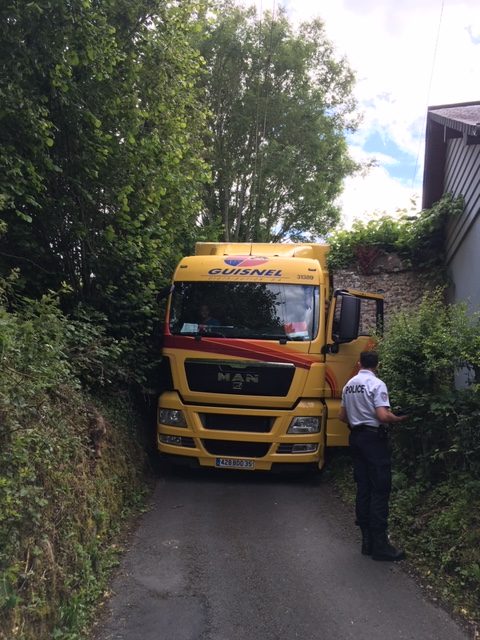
(366, 408)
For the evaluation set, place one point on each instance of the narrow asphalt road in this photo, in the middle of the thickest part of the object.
(233, 555)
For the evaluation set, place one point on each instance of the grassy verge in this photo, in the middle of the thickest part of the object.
(69, 479)
(71, 469)
(439, 527)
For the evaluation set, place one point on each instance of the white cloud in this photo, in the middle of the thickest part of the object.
(407, 56)
(375, 193)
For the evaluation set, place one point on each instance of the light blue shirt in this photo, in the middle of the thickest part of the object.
(361, 396)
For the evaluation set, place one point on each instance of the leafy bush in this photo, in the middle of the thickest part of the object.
(420, 357)
(97, 359)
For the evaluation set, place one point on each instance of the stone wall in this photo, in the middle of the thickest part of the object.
(402, 288)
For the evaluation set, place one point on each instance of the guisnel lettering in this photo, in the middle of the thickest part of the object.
(269, 273)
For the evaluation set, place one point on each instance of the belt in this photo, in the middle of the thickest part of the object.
(365, 427)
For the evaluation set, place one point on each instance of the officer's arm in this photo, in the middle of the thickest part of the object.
(342, 415)
(385, 416)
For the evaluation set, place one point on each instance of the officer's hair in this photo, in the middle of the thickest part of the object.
(369, 359)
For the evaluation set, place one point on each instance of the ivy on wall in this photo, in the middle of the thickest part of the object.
(418, 240)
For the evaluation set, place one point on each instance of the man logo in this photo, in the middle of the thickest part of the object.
(237, 380)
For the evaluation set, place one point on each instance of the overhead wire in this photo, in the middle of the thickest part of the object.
(429, 87)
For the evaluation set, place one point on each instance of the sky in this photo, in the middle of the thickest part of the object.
(407, 55)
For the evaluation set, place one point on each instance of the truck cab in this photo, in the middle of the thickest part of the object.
(256, 351)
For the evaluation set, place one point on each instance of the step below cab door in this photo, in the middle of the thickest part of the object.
(354, 321)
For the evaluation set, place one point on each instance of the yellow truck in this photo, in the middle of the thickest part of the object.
(256, 350)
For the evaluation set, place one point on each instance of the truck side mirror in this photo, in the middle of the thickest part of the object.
(348, 324)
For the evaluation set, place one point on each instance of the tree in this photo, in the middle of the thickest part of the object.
(101, 147)
(281, 105)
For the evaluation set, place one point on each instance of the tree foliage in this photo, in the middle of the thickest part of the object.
(101, 140)
(281, 104)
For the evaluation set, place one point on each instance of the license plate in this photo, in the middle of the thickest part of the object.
(233, 463)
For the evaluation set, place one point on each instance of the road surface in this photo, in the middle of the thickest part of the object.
(234, 555)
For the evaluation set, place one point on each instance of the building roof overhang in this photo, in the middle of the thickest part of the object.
(445, 122)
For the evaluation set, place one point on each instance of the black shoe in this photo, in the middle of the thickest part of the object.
(367, 542)
(383, 550)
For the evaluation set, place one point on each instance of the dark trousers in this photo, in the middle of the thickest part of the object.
(372, 472)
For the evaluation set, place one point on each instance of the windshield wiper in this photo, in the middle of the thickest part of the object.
(271, 336)
(202, 334)
(281, 337)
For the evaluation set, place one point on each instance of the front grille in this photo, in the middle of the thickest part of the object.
(237, 449)
(239, 378)
(245, 423)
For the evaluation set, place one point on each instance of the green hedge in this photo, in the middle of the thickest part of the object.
(421, 356)
(70, 470)
(436, 497)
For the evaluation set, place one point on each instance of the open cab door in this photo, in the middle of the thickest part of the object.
(354, 319)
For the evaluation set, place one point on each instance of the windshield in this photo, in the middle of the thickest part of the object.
(245, 310)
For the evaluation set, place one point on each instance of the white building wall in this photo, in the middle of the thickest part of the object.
(464, 268)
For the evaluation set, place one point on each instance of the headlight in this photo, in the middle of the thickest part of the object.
(172, 417)
(304, 448)
(304, 424)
